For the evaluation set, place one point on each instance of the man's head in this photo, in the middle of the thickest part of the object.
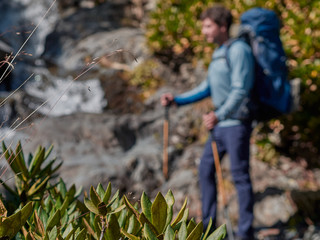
(216, 22)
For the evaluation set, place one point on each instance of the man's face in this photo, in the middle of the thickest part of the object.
(212, 31)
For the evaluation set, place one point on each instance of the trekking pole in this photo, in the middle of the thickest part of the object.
(221, 187)
(165, 142)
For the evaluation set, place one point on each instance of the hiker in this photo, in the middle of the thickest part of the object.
(229, 88)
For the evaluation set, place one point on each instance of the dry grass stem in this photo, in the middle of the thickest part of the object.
(25, 42)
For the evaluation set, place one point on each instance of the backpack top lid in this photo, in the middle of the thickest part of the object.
(261, 21)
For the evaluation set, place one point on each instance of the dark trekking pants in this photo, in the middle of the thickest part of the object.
(235, 141)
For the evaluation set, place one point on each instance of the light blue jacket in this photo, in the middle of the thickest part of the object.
(228, 82)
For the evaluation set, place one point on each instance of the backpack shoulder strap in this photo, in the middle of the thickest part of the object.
(228, 45)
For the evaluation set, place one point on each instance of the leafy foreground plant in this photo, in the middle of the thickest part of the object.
(119, 219)
(31, 177)
(47, 211)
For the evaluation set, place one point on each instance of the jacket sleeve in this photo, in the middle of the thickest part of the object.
(242, 78)
(200, 92)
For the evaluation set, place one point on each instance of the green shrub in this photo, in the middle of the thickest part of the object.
(55, 212)
(145, 79)
(31, 176)
(173, 31)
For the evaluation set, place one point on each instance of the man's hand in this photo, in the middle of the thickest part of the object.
(210, 120)
(167, 99)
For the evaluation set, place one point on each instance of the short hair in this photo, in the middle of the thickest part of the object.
(218, 14)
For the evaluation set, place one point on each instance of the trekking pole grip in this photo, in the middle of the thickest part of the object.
(166, 112)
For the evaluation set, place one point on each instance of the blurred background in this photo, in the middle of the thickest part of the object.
(86, 76)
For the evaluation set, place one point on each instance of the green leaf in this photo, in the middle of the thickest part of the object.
(180, 214)
(146, 205)
(113, 229)
(170, 201)
(143, 220)
(65, 205)
(5, 150)
(21, 162)
(169, 198)
(78, 192)
(26, 212)
(20, 185)
(19, 151)
(47, 170)
(118, 209)
(68, 230)
(148, 233)
(131, 208)
(64, 217)
(114, 198)
(130, 236)
(62, 188)
(94, 196)
(159, 213)
(53, 233)
(133, 226)
(36, 187)
(48, 203)
(191, 226)
(48, 152)
(72, 207)
(71, 192)
(107, 194)
(219, 233)
(11, 225)
(92, 208)
(169, 234)
(51, 172)
(58, 203)
(208, 229)
(183, 233)
(11, 160)
(196, 232)
(81, 235)
(67, 234)
(100, 191)
(38, 150)
(185, 216)
(123, 216)
(37, 161)
(54, 220)
(43, 216)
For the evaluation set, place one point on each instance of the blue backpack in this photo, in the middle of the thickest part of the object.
(271, 94)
